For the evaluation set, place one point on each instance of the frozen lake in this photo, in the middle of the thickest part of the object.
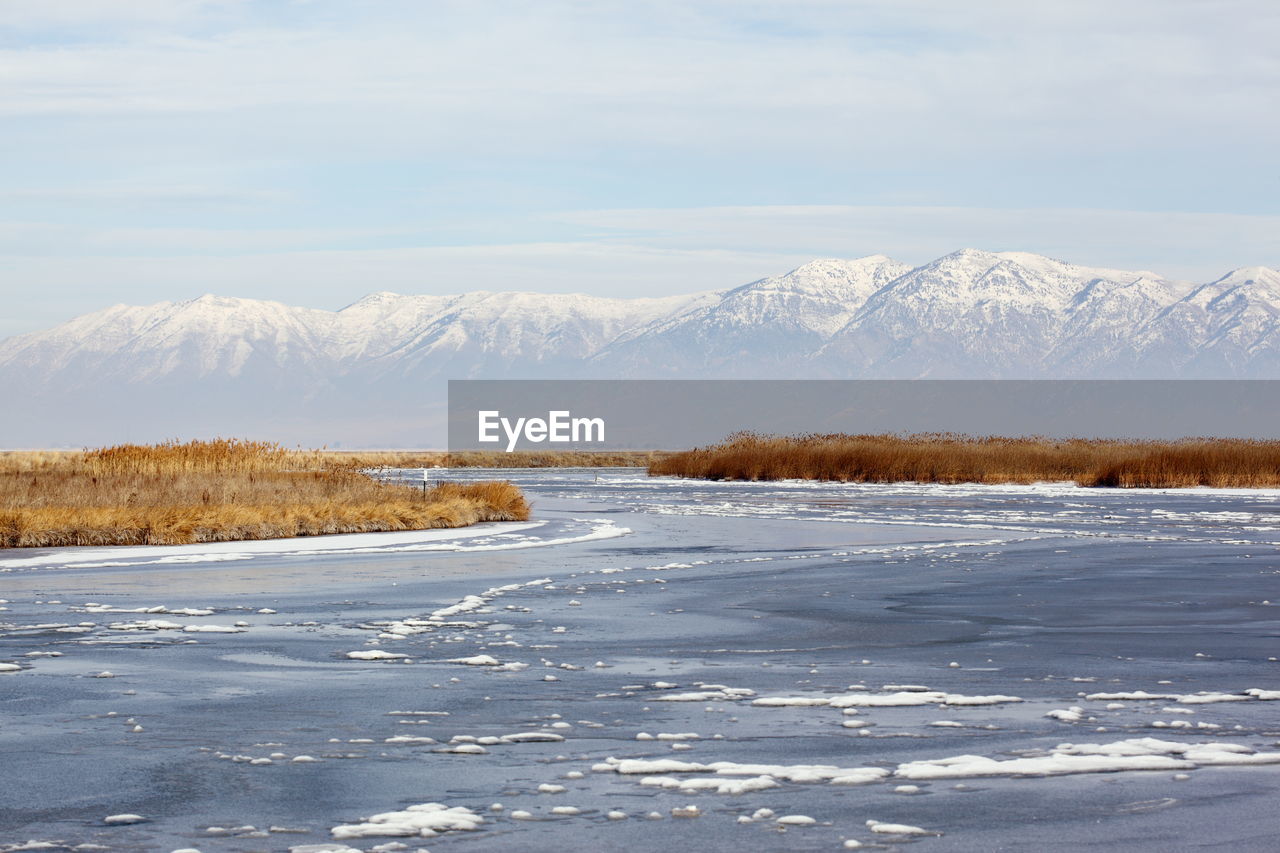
(664, 665)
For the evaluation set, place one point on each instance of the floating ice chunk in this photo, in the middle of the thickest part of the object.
(901, 698)
(1074, 714)
(521, 814)
(409, 740)
(1065, 759)
(906, 789)
(9, 667)
(566, 810)
(724, 787)
(123, 819)
(889, 700)
(726, 694)
(533, 737)
(1206, 698)
(146, 625)
(968, 766)
(1209, 753)
(466, 605)
(795, 820)
(425, 820)
(466, 749)
(1265, 695)
(616, 815)
(678, 736)
(860, 776)
(686, 811)
(638, 766)
(996, 699)
(475, 660)
(898, 829)
(214, 629)
(376, 654)
(789, 772)
(791, 701)
(549, 788)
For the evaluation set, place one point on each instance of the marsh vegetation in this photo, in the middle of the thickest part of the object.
(221, 490)
(949, 458)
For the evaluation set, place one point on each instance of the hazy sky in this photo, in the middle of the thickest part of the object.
(312, 151)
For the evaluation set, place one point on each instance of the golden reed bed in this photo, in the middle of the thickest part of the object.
(221, 490)
(946, 458)
(495, 458)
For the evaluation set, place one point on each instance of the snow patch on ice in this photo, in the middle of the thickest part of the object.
(423, 821)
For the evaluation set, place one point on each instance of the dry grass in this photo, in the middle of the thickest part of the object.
(494, 458)
(946, 458)
(215, 491)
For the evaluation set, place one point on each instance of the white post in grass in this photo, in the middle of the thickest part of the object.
(424, 482)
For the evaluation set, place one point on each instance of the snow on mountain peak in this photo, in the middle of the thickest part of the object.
(1250, 275)
(969, 313)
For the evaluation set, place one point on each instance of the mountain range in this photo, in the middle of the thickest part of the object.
(364, 374)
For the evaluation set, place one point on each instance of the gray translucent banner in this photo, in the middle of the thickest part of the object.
(676, 414)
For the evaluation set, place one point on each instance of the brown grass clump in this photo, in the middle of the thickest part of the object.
(947, 458)
(216, 491)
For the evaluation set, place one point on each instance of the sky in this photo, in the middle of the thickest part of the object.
(313, 151)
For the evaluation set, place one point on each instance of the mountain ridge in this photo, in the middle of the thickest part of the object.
(968, 314)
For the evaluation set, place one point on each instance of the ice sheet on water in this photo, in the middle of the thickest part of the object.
(489, 536)
(1067, 759)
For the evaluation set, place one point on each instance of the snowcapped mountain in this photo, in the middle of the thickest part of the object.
(997, 315)
(767, 327)
(218, 364)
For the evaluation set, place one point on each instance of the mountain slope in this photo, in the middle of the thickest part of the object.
(994, 315)
(763, 328)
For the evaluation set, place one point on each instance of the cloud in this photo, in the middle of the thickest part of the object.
(164, 194)
(313, 151)
(837, 79)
